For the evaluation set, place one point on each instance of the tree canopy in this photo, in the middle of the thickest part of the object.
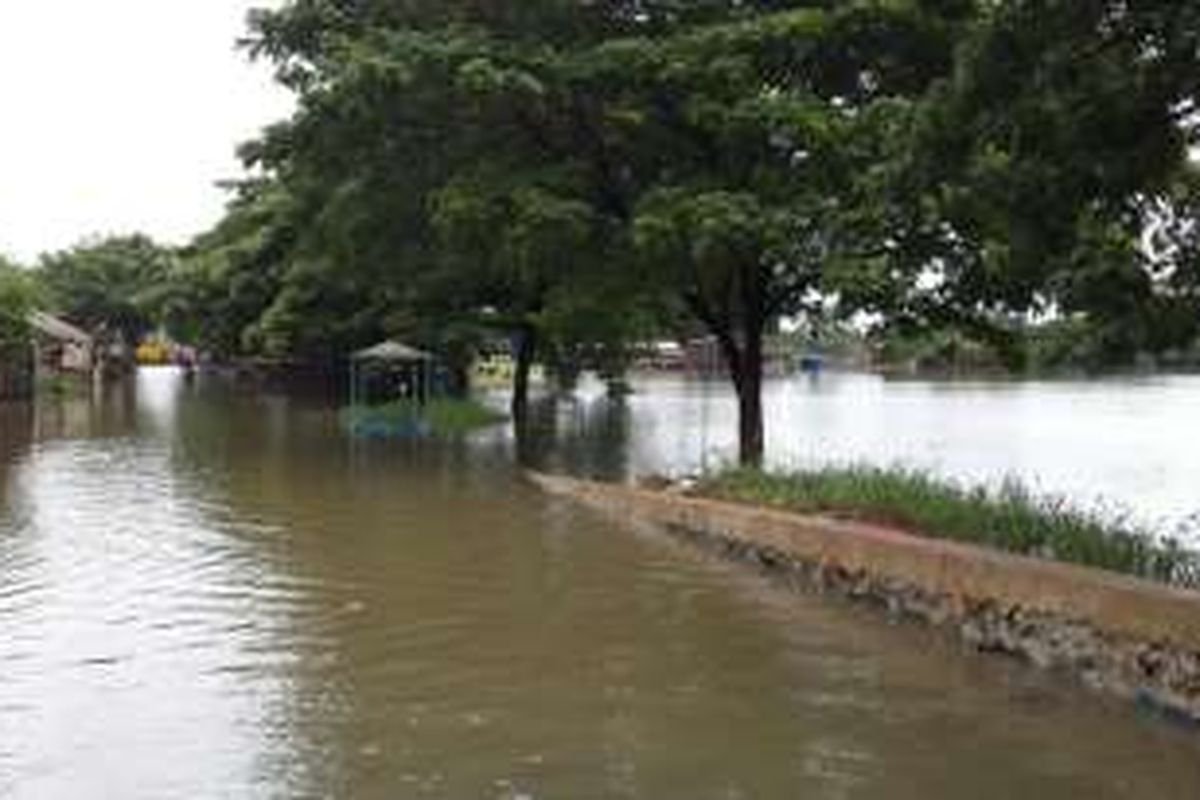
(1054, 168)
(107, 285)
(569, 175)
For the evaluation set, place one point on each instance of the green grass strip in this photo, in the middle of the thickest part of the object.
(1009, 518)
(442, 416)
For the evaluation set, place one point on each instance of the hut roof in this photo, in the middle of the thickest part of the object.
(55, 328)
(392, 351)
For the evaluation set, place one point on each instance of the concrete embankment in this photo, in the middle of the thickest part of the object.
(1134, 638)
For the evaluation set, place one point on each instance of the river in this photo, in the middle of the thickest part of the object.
(213, 593)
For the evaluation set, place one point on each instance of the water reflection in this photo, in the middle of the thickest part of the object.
(219, 593)
(16, 437)
(1125, 446)
(585, 436)
(122, 604)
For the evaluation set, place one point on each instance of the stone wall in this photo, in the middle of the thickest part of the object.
(1130, 637)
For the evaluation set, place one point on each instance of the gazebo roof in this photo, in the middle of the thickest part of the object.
(392, 351)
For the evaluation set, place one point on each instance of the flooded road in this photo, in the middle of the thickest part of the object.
(212, 594)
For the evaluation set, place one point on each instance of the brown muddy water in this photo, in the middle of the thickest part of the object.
(206, 593)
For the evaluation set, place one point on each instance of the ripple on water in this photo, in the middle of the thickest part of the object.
(240, 597)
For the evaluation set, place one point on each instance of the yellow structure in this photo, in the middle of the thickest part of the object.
(153, 352)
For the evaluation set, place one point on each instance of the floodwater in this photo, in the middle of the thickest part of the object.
(207, 593)
(1126, 447)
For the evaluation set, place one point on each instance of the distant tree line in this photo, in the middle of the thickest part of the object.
(113, 287)
(572, 176)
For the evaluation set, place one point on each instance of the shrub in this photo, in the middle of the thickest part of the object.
(440, 417)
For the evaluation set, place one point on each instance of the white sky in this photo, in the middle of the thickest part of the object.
(119, 115)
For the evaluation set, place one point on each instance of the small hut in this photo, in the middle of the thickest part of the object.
(49, 348)
(60, 347)
(389, 372)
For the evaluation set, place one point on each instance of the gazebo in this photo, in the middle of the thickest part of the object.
(391, 371)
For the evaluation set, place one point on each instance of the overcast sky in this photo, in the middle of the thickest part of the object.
(119, 115)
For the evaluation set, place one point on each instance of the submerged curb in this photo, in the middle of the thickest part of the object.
(1131, 637)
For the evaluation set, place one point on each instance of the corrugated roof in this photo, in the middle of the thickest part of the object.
(392, 351)
(57, 328)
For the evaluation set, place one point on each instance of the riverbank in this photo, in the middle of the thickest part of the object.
(1010, 517)
(1127, 636)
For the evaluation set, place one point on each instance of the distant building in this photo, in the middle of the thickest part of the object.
(664, 355)
(59, 347)
(54, 348)
(703, 356)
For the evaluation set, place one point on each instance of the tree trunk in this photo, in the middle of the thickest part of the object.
(459, 380)
(743, 351)
(745, 362)
(751, 441)
(526, 350)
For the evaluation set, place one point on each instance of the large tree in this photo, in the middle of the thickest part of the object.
(939, 162)
(226, 279)
(755, 142)
(425, 179)
(507, 153)
(108, 285)
(1054, 174)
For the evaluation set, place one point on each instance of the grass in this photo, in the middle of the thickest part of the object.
(1009, 518)
(442, 416)
(61, 386)
(448, 416)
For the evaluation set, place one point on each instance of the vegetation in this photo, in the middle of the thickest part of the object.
(449, 416)
(60, 386)
(440, 417)
(939, 164)
(1076, 344)
(107, 286)
(17, 299)
(571, 177)
(1010, 518)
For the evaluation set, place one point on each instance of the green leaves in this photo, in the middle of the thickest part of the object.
(1054, 150)
(17, 301)
(452, 157)
(499, 160)
(709, 229)
(111, 285)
